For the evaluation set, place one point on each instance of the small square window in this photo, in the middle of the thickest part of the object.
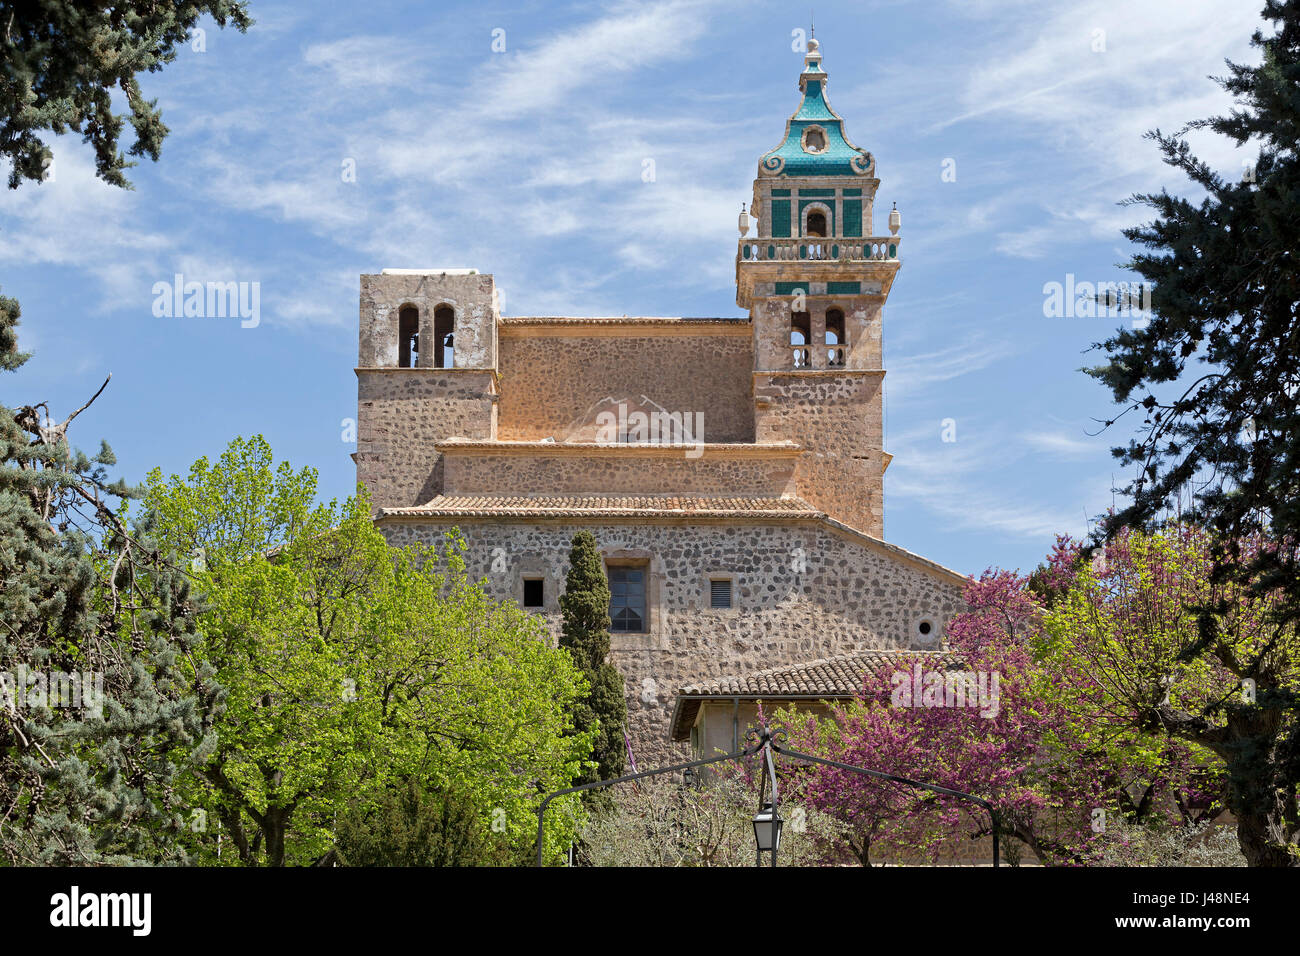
(720, 593)
(533, 592)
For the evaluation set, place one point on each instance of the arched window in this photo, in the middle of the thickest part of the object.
(816, 225)
(835, 341)
(800, 338)
(444, 349)
(408, 337)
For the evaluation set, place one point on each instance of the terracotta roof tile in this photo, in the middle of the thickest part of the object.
(834, 676)
(827, 679)
(607, 505)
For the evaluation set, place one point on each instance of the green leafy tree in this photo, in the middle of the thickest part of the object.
(65, 62)
(410, 826)
(585, 635)
(1148, 675)
(101, 702)
(352, 666)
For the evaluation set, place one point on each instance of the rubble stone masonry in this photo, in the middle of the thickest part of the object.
(801, 591)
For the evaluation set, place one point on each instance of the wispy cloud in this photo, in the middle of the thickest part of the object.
(1063, 446)
(914, 371)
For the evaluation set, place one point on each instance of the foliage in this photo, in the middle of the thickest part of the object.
(411, 826)
(585, 635)
(85, 780)
(81, 591)
(1193, 844)
(352, 665)
(1043, 764)
(64, 62)
(660, 822)
(1145, 669)
(992, 752)
(1216, 372)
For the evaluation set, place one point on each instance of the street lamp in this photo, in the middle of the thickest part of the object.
(763, 740)
(767, 830)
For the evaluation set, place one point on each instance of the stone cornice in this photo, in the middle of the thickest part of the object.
(714, 450)
(641, 327)
(407, 371)
(798, 372)
(730, 518)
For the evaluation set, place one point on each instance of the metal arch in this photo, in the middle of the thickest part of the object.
(601, 784)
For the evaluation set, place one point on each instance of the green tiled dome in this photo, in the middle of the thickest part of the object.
(839, 157)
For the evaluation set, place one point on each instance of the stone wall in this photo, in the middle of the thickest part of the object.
(801, 591)
(402, 414)
(626, 470)
(472, 297)
(555, 381)
(837, 417)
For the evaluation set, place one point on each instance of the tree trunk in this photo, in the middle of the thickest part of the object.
(1258, 835)
(275, 825)
(1259, 795)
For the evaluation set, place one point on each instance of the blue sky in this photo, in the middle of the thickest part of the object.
(527, 163)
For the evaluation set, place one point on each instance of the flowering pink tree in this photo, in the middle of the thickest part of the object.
(1162, 663)
(908, 722)
(1018, 744)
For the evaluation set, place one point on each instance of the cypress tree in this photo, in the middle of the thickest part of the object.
(585, 634)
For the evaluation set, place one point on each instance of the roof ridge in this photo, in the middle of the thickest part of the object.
(852, 655)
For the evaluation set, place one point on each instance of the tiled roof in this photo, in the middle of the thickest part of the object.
(833, 678)
(608, 506)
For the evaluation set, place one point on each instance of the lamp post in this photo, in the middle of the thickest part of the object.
(767, 831)
(767, 822)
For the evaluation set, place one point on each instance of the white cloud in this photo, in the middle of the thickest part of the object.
(1063, 446)
(1089, 110)
(913, 372)
(632, 37)
(980, 483)
(78, 221)
(364, 61)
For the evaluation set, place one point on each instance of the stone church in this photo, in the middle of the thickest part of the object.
(731, 468)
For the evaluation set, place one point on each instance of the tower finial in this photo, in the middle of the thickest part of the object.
(812, 24)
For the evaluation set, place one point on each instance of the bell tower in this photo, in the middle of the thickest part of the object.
(815, 280)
